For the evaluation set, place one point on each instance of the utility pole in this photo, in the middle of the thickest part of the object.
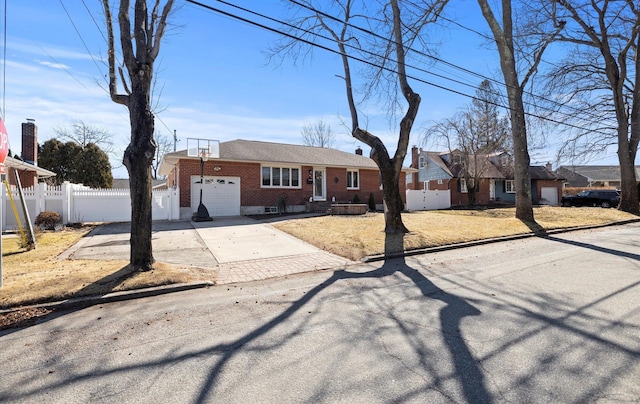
(175, 140)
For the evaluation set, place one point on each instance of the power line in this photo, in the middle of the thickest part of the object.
(323, 47)
(80, 35)
(440, 60)
(4, 62)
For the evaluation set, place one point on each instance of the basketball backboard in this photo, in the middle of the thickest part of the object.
(206, 148)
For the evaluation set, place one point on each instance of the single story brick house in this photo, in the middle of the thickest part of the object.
(254, 177)
(443, 171)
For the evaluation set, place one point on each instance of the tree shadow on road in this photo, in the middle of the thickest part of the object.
(467, 371)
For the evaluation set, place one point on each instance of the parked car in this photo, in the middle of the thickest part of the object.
(605, 198)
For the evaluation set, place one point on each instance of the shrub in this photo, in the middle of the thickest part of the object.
(356, 198)
(372, 203)
(48, 220)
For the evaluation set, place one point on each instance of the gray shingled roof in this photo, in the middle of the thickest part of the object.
(251, 150)
(599, 173)
(267, 152)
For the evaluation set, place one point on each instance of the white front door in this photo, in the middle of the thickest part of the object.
(319, 185)
(492, 190)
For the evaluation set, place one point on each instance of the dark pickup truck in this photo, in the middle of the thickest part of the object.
(605, 198)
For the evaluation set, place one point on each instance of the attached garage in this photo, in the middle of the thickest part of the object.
(220, 195)
(549, 195)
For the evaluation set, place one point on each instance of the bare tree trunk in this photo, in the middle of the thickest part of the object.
(504, 41)
(138, 158)
(146, 32)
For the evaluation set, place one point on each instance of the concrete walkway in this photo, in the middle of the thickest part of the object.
(238, 249)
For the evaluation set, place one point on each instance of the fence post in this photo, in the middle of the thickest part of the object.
(5, 198)
(39, 195)
(66, 202)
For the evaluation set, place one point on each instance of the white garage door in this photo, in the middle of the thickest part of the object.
(221, 195)
(550, 194)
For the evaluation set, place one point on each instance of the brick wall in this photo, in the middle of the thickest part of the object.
(253, 195)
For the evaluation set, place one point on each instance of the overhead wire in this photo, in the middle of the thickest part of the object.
(350, 56)
(80, 35)
(4, 62)
(440, 60)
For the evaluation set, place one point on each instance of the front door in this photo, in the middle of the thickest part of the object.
(492, 190)
(319, 185)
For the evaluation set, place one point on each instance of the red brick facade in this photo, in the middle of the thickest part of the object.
(253, 194)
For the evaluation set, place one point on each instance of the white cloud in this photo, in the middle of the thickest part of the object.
(55, 65)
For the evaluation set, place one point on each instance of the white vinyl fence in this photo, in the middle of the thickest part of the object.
(428, 200)
(77, 203)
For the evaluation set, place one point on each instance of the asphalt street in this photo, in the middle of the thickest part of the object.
(538, 320)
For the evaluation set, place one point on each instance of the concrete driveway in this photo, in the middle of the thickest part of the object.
(238, 248)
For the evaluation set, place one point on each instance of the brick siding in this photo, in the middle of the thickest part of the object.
(252, 194)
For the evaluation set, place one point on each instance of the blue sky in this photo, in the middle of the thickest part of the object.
(213, 78)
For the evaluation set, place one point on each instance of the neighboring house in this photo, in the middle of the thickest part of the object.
(123, 183)
(252, 177)
(29, 173)
(592, 176)
(27, 167)
(444, 171)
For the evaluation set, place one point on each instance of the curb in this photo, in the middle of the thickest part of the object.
(409, 253)
(81, 302)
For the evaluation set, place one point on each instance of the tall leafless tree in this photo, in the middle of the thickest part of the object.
(399, 33)
(600, 81)
(476, 133)
(140, 46)
(318, 134)
(164, 145)
(82, 134)
(503, 31)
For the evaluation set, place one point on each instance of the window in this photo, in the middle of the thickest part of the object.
(463, 185)
(422, 162)
(280, 177)
(352, 179)
(510, 186)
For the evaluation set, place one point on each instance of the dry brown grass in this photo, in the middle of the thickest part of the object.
(355, 237)
(38, 275)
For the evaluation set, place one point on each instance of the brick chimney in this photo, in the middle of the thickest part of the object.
(30, 143)
(414, 157)
(359, 151)
(549, 167)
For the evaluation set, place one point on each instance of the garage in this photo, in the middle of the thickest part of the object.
(550, 195)
(220, 195)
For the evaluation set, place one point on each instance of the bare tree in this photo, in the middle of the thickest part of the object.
(164, 145)
(600, 82)
(475, 133)
(318, 135)
(503, 32)
(82, 134)
(140, 46)
(396, 34)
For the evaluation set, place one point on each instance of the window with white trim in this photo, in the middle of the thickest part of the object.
(422, 162)
(463, 186)
(510, 186)
(353, 179)
(280, 177)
